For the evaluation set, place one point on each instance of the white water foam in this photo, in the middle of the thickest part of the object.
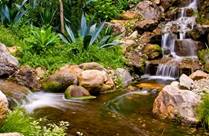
(40, 100)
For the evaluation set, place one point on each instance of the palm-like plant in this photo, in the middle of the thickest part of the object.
(90, 33)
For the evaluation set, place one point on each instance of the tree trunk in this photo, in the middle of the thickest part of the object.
(62, 28)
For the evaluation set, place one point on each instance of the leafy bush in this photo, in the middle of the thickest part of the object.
(108, 9)
(19, 121)
(40, 39)
(203, 110)
(104, 9)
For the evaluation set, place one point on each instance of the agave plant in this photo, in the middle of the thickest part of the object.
(90, 33)
(12, 15)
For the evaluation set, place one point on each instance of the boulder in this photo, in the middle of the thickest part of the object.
(62, 78)
(10, 134)
(96, 81)
(4, 107)
(8, 63)
(27, 76)
(186, 82)
(181, 47)
(177, 104)
(124, 75)
(13, 90)
(76, 91)
(6, 57)
(91, 66)
(197, 75)
(146, 25)
(148, 10)
(152, 51)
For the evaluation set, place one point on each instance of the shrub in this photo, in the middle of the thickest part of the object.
(203, 110)
(40, 39)
(19, 121)
(104, 9)
(108, 9)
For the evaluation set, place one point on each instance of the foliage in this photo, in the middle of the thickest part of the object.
(203, 110)
(8, 37)
(104, 9)
(108, 9)
(73, 11)
(90, 34)
(52, 58)
(41, 13)
(13, 14)
(41, 38)
(19, 121)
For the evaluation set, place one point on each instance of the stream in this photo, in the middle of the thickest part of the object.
(117, 114)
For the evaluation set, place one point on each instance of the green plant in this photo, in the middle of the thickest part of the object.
(20, 121)
(8, 37)
(104, 9)
(40, 39)
(203, 110)
(90, 34)
(59, 55)
(12, 15)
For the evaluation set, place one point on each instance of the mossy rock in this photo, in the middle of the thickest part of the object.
(52, 86)
(77, 92)
(152, 51)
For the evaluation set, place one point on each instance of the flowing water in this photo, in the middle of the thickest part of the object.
(118, 114)
(174, 34)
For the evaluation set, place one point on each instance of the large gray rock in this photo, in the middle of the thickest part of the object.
(149, 10)
(175, 103)
(8, 63)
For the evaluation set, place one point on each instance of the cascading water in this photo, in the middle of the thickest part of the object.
(173, 40)
(40, 100)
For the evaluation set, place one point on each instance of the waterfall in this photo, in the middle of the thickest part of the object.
(174, 41)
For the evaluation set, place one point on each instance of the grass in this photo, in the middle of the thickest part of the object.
(58, 55)
(37, 53)
(8, 37)
(203, 110)
(21, 122)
